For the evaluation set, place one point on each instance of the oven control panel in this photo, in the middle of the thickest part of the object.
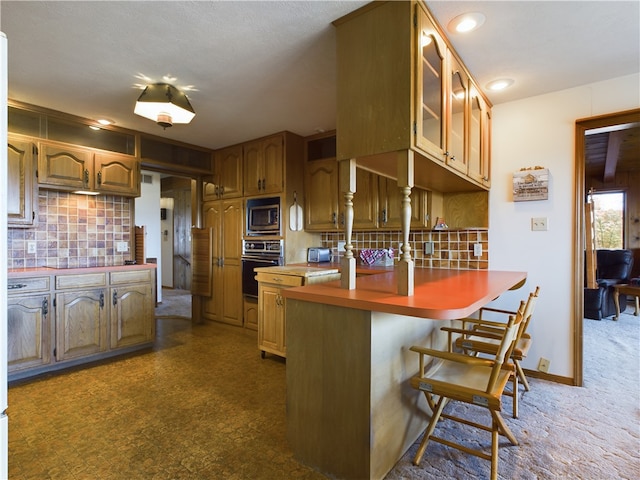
(263, 247)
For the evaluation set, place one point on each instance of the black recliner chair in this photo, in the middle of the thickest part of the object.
(613, 267)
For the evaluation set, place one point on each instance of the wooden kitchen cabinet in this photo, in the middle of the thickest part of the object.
(22, 183)
(71, 168)
(117, 174)
(250, 313)
(390, 207)
(271, 333)
(227, 180)
(28, 323)
(400, 87)
(272, 305)
(321, 190)
(81, 315)
(272, 311)
(264, 166)
(224, 303)
(64, 319)
(132, 300)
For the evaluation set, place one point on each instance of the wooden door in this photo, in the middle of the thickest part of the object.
(365, 201)
(81, 323)
(232, 222)
(390, 206)
(28, 332)
(117, 174)
(212, 219)
(321, 192)
(228, 165)
(132, 317)
(64, 166)
(22, 186)
(272, 165)
(252, 158)
(270, 313)
(202, 271)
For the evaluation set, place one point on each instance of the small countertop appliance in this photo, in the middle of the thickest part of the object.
(318, 255)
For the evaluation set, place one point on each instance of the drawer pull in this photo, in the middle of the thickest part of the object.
(277, 279)
(15, 286)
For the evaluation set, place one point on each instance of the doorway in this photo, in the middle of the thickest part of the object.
(176, 201)
(628, 122)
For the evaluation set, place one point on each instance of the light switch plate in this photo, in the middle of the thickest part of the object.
(539, 224)
(477, 249)
(122, 247)
(428, 248)
(31, 247)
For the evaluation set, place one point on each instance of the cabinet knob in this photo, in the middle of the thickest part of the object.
(100, 178)
(86, 177)
(45, 306)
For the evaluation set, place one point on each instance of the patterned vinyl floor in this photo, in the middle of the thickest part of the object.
(201, 405)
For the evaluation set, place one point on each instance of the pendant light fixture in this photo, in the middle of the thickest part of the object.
(164, 104)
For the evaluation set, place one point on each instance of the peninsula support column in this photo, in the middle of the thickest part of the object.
(347, 176)
(405, 183)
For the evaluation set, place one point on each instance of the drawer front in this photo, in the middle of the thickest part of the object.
(81, 281)
(17, 286)
(280, 280)
(133, 276)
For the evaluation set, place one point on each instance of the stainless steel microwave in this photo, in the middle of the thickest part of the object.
(263, 216)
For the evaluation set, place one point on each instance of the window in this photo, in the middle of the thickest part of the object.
(609, 219)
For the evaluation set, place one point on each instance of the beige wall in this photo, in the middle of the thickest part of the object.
(540, 131)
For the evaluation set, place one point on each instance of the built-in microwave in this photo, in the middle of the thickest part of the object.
(263, 216)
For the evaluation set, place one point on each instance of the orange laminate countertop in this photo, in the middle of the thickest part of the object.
(439, 294)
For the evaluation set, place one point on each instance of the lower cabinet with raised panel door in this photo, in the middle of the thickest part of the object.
(71, 317)
(272, 305)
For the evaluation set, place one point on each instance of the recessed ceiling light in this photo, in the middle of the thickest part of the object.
(499, 84)
(105, 121)
(466, 22)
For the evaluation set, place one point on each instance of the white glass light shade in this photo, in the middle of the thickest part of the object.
(164, 104)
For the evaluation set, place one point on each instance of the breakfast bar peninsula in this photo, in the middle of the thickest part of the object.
(351, 412)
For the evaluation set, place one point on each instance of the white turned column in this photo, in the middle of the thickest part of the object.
(405, 183)
(347, 176)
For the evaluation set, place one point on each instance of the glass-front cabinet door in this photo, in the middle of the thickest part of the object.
(457, 117)
(430, 108)
(478, 155)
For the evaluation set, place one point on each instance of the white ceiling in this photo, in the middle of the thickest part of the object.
(263, 67)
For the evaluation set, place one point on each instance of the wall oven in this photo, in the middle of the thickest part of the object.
(258, 253)
(263, 216)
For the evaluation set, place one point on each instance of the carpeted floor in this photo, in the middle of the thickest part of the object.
(203, 405)
(590, 433)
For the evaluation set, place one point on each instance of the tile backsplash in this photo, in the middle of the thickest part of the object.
(450, 248)
(73, 231)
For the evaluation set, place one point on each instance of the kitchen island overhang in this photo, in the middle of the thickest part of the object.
(351, 412)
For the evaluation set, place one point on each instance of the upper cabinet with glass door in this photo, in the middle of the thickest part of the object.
(401, 86)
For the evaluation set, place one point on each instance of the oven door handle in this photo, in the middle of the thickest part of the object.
(274, 261)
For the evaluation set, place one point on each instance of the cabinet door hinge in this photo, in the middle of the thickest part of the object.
(33, 215)
(55, 352)
(35, 149)
(415, 128)
(54, 303)
(415, 19)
